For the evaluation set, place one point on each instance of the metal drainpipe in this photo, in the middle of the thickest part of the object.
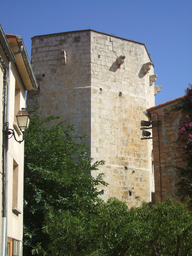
(5, 161)
(159, 148)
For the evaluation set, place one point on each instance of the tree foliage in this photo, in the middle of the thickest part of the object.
(185, 135)
(111, 229)
(64, 214)
(55, 175)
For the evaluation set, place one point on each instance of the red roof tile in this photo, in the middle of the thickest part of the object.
(165, 103)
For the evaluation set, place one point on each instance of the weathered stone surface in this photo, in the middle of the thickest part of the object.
(103, 99)
(157, 89)
(152, 78)
(168, 151)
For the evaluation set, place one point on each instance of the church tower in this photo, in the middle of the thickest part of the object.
(102, 84)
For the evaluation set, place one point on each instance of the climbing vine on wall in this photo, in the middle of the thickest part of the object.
(185, 135)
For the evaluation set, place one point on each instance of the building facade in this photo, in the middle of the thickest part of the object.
(101, 84)
(16, 76)
(168, 151)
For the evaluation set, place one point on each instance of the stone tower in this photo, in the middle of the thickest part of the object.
(102, 84)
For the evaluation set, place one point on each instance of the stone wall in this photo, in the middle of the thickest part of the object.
(64, 89)
(83, 80)
(118, 99)
(167, 150)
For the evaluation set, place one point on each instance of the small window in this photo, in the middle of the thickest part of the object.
(15, 188)
(16, 248)
(9, 246)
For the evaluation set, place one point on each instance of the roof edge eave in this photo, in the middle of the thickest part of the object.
(6, 45)
(17, 40)
(27, 64)
(165, 104)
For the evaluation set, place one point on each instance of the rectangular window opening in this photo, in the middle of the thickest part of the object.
(16, 247)
(15, 185)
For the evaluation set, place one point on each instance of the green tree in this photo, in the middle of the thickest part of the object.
(165, 229)
(111, 229)
(56, 175)
(185, 136)
(65, 216)
(99, 230)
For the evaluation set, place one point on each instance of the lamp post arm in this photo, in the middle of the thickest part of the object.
(12, 132)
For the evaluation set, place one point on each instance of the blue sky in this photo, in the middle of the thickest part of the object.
(165, 27)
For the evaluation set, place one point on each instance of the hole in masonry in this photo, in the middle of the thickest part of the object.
(130, 193)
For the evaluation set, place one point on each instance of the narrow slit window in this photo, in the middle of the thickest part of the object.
(15, 185)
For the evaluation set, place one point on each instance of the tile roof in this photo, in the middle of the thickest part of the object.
(165, 103)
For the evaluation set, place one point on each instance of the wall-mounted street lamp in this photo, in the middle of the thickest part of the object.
(23, 120)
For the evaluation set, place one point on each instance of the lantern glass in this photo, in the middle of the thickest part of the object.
(23, 119)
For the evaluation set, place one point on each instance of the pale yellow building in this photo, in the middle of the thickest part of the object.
(16, 76)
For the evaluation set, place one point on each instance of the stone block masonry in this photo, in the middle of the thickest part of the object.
(168, 152)
(98, 83)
